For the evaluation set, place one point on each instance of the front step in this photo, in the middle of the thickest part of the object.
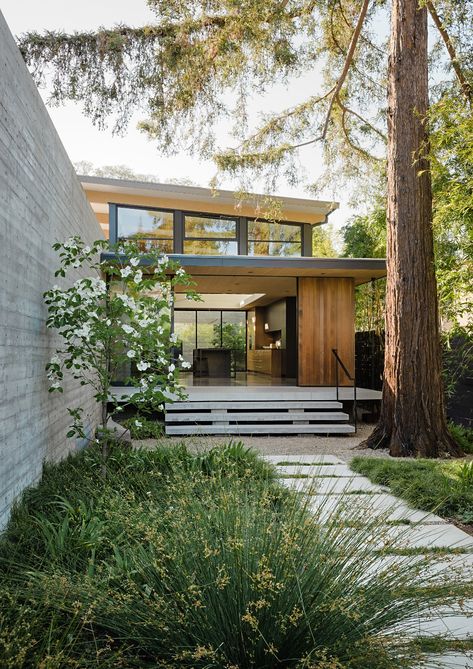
(250, 417)
(316, 428)
(214, 416)
(206, 405)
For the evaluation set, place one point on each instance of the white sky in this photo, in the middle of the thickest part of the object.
(85, 142)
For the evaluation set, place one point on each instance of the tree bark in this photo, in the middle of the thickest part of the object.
(412, 419)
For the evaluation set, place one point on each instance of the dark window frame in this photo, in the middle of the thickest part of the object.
(179, 234)
(186, 238)
(140, 207)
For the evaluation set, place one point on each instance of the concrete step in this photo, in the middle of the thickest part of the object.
(229, 404)
(260, 416)
(316, 428)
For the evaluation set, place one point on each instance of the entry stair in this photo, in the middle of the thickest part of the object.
(236, 417)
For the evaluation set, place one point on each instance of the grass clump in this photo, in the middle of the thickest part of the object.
(180, 560)
(463, 436)
(445, 487)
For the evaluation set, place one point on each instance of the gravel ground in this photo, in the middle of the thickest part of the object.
(343, 447)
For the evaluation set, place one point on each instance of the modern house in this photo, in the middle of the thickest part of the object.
(274, 322)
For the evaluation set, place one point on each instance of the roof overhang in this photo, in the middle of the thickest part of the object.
(362, 270)
(122, 191)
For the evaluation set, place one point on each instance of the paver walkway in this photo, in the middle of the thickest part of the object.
(326, 477)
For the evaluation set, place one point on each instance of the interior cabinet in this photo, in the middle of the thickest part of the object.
(265, 361)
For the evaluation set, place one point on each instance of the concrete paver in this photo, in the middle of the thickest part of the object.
(335, 489)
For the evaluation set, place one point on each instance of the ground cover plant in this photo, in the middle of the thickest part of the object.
(445, 487)
(198, 560)
(142, 427)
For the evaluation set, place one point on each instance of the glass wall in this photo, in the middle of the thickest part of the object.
(185, 327)
(152, 228)
(274, 239)
(212, 329)
(204, 235)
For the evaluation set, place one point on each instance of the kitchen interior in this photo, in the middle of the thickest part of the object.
(262, 325)
(271, 347)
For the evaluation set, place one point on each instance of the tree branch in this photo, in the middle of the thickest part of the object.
(346, 66)
(464, 84)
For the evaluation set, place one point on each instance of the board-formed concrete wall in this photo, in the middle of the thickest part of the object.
(41, 201)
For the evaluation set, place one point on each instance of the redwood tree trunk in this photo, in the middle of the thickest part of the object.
(412, 420)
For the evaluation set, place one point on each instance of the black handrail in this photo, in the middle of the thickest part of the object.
(339, 361)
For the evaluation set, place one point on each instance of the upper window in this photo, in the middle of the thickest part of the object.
(151, 228)
(207, 235)
(274, 239)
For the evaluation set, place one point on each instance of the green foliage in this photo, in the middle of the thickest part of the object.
(425, 484)
(452, 179)
(179, 560)
(323, 242)
(144, 428)
(463, 436)
(365, 236)
(103, 327)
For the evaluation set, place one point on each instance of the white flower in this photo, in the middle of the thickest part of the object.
(131, 353)
(143, 366)
(186, 365)
(108, 322)
(126, 271)
(76, 263)
(138, 423)
(55, 360)
(180, 272)
(83, 332)
(172, 367)
(127, 328)
(70, 243)
(127, 301)
(173, 337)
(138, 276)
(134, 262)
(56, 384)
(86, 249)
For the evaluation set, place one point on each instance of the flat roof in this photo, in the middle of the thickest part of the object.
(361, 270)
(290, 205)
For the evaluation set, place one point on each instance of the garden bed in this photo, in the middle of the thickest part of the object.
(442, 486)
(181, 560)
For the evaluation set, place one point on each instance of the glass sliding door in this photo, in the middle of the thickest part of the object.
(199, 329)
(185, 329)
(209, 329)
(234, 337)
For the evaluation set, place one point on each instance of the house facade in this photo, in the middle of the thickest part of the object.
(271, 313)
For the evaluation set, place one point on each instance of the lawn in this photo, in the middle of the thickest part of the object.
(442, 486)
(183, 560)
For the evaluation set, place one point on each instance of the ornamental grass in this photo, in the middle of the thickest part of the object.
(203, 561)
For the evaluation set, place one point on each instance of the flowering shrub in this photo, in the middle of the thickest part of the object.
(121, 314)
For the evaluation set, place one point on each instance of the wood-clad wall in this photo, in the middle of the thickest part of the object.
(326, 320)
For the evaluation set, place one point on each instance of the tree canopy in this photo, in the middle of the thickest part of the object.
(204, 62)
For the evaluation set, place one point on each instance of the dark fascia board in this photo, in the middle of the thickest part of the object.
(268, 262)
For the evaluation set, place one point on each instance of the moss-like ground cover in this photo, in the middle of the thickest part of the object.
(445, 487)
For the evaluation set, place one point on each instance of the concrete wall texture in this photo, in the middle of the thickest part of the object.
(41, 201)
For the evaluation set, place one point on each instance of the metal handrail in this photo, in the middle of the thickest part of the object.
(340, 362)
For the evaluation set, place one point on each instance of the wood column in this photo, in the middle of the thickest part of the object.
(326, 320)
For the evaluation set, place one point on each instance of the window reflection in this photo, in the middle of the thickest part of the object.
(151, 228)
(205, 235)
(269, 239)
